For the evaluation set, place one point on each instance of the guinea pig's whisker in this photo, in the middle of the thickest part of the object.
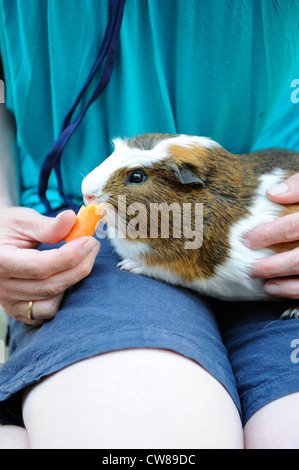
(83, 172)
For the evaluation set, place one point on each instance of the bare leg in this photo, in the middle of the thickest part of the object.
(13, 437)
(275, 426)
(141, 398)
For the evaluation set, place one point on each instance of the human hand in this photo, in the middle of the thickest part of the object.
(282, 269)
(27, 274)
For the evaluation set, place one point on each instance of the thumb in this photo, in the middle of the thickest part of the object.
(50, 230)
(286, 192)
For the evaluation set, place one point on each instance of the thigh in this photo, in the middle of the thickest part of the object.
(141, 398)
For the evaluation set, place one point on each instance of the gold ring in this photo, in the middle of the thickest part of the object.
(29, 311)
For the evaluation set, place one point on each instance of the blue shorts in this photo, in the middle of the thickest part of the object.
(245, 346)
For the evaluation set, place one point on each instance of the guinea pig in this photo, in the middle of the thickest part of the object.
(222, 195)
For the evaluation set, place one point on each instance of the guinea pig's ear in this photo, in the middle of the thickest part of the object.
(185, 173)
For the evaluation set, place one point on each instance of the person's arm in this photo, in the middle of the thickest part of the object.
(27, 274)
(9, 177)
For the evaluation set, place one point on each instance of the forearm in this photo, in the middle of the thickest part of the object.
(9, 174)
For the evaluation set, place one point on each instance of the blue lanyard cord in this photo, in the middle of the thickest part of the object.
(109, 50)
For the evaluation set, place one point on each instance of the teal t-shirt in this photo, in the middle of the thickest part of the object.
(217, 68)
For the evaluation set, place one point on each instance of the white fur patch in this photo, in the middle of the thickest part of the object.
(129, 249)
(126, 157)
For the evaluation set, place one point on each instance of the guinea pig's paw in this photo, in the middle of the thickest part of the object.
(290, 313)
(130, 265)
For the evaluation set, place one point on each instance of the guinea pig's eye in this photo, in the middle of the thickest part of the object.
(137, 177)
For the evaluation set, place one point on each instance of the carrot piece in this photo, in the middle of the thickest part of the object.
(88, 218)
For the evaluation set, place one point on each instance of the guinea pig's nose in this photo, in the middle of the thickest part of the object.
(89, 199)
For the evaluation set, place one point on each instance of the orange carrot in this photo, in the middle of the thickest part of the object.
(88, 218)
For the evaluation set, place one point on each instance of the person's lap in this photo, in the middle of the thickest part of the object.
(113, 310)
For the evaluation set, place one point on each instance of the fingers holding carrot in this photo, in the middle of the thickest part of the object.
(42, 277)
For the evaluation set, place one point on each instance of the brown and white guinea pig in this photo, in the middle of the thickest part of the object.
(151, 169)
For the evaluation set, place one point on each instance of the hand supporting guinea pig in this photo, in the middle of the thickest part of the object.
(27, 274)
(281, 230)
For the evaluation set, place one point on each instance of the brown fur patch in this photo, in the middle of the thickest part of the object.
(193, 154)
(282, 247)
(289, 209)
